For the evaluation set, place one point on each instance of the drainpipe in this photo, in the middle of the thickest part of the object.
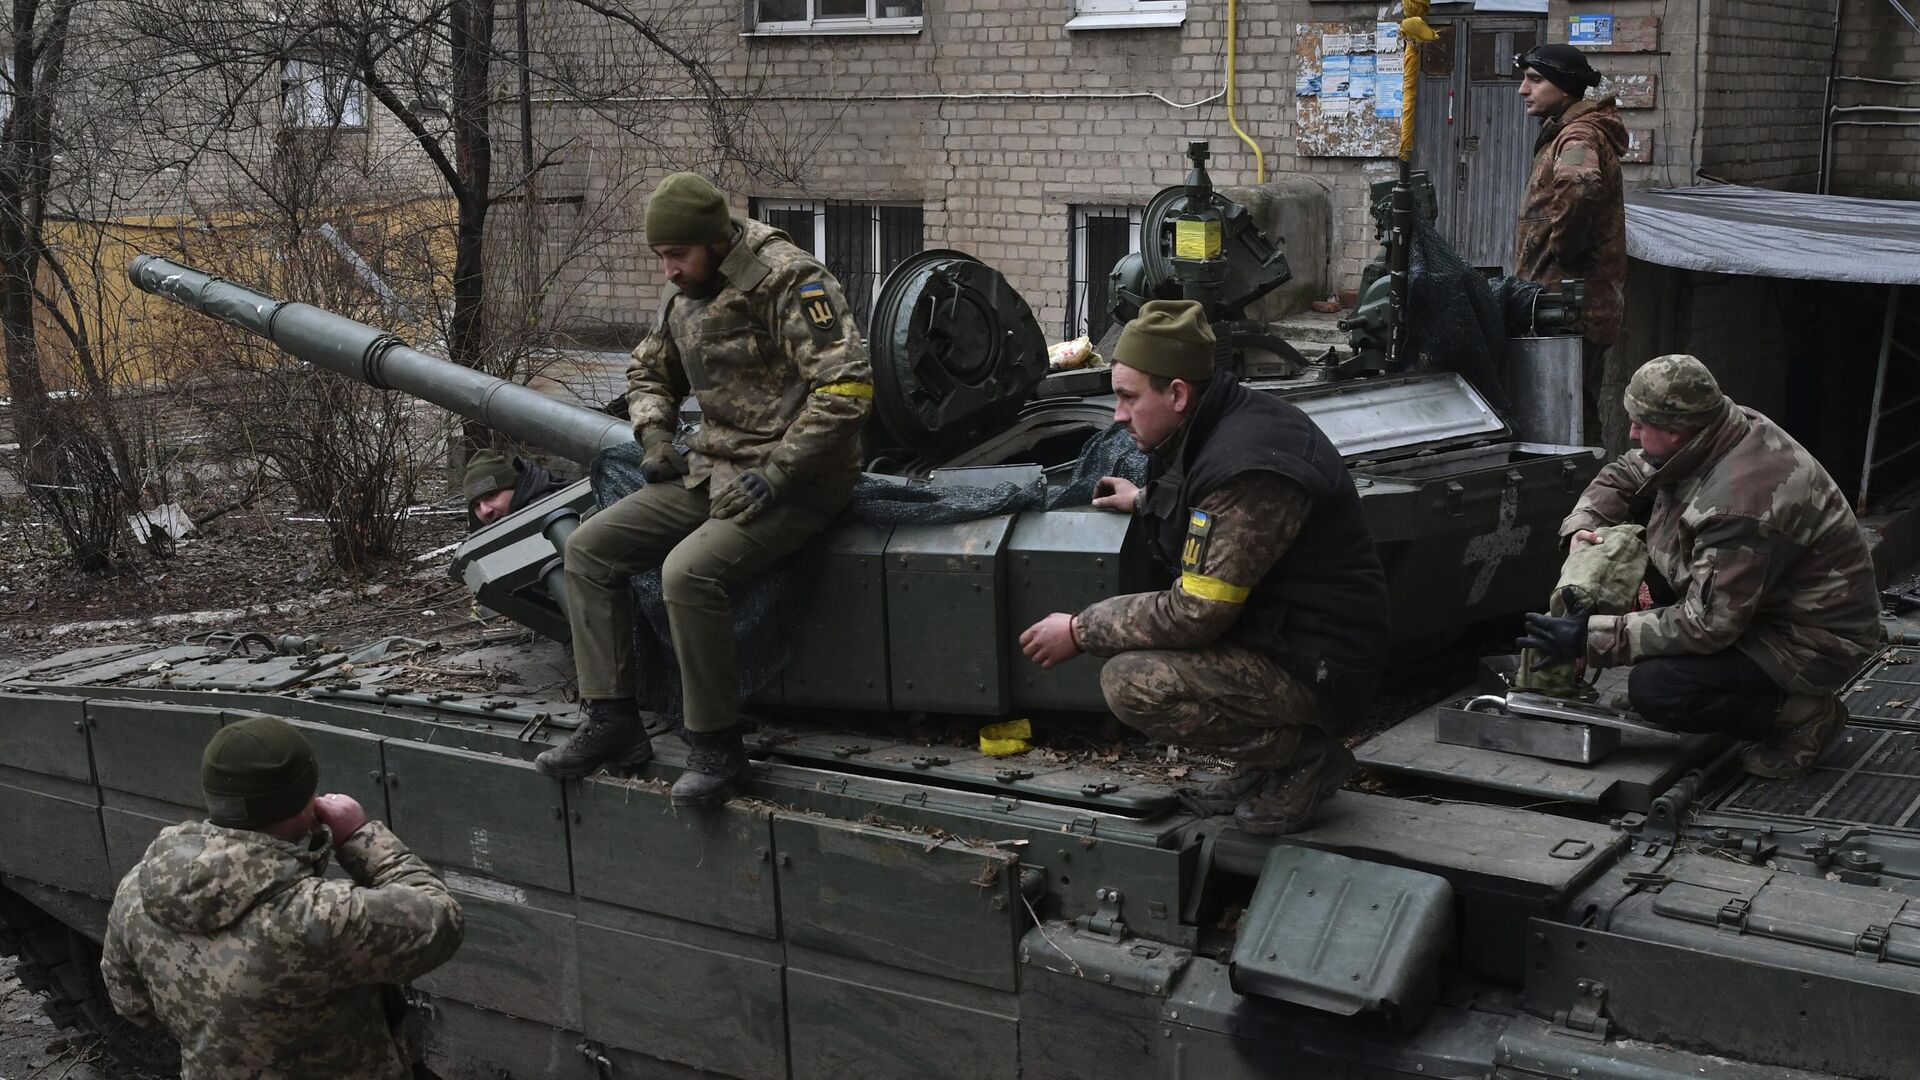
(1826, 103)
(1259, 159)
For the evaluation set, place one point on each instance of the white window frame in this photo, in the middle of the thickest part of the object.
(1081, 216)
(1126, 14)
(876, 22)
(299, 108)
(818, 209)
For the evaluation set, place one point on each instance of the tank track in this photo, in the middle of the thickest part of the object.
(62, 966)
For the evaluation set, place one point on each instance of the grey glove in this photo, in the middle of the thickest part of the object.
(664, 461)
(750, 493)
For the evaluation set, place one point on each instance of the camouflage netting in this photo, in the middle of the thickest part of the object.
(1456, 321)
(766, 608)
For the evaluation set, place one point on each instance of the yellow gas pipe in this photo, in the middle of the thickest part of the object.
(1259, 159)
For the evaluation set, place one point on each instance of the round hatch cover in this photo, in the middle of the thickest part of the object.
(955, 351)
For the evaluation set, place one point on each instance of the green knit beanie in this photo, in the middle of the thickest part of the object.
(256, 772)
(1169, 338)
(687, 209)
(487, 472)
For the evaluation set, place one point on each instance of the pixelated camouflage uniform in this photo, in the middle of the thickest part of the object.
(777, 364)
(1759, 545)
(232, 942)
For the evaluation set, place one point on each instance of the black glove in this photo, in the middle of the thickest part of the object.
(750, 493)
(663, 461)
(1558, 637)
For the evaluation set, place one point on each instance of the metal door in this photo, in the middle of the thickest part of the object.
(1473, 134)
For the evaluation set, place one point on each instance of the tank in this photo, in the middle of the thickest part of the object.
(891, 901)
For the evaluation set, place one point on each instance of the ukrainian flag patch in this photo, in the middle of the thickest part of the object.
(816, 305)
(1194, 554)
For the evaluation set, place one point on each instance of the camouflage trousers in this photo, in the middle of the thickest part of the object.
(1223, 699)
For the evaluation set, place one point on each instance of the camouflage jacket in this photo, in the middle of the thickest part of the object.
(1760, 547)
(1573, 217)
(233, 943)
(1255, 516)
(775, 360)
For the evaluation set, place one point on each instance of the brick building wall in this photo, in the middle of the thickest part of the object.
(1877, 161)
(1765, 74)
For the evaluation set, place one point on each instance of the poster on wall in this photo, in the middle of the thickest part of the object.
(1587, 31)
(1346, 87)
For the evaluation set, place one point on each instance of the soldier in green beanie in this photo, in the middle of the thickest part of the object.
(759, 333)
(1766, 600)
(496, 487)
(1268, 641)
(229, 937)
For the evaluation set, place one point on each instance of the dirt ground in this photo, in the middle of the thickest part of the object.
(261, 569)
(31, 1048)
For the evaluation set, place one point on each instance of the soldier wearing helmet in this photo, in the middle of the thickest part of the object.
(1774, 604)
(1573, 220)
(1269, 640)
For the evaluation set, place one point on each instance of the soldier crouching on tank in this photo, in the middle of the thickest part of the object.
(1271, 639)
(759, 333)
(496, 487)
(228, 936)
(1776, 604)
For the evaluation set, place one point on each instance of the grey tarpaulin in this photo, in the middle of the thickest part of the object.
(766, 608)
(1731, 229)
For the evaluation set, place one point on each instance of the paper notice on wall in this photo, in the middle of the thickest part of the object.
(1361, 42)
(1387, 101)
(1336, 43)
(1386, 37)
(1306, 84)
(1360, 68)
(1587, 31)
(1386, 64)
(1336, 78)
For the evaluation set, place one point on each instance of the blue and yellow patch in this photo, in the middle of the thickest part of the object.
(1194, 554)
(817, 306)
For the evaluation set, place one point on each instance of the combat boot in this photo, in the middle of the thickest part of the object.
(1224, 795)
(610, 734)
(1290, 796)
(716, 768)
(1806, 724)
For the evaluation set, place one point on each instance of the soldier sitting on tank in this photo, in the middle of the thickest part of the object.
(1270, 639)
(496, 487)
(758, 331)
(229, 936)
(1775, 601)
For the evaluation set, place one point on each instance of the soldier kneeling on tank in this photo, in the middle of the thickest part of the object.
(1270, 640)
(760, 334)
(230, 937)
(1774, 601)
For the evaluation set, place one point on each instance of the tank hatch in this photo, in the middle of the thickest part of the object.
(955, 351)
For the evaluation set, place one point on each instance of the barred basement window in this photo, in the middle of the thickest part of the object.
(833, 16)
(859, 242)
(1102, 236)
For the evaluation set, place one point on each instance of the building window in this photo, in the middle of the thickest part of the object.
(859, 242)
(314, 97)
(1102, 236)
(833, 16)
(1126, 14)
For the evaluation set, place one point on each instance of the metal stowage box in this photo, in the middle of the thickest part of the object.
(945, 613)
(839, 655)
(1064, 560)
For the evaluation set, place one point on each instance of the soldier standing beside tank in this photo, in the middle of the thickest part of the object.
(228, 936)
(1775, 604)
(1573, 218)
(759, 333)
(1271, 638)
(495, 487)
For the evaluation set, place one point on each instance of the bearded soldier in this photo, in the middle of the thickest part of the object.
(759, 333)
(1270, 639)
(1774, 601)
(228, 936)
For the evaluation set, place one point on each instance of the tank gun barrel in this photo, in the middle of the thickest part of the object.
(380, 359)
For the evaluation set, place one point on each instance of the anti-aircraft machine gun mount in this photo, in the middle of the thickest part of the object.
(890, 901)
